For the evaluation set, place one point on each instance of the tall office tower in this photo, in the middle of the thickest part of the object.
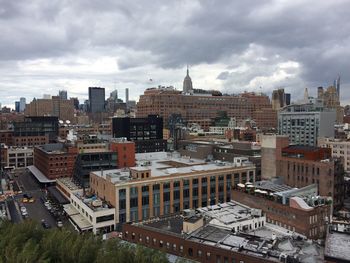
(306, 96)
(304, 123)
(17, 106)
(63, 94)
(126, 95)
(320, 92)
(338, 87)
(96, 99)
(278, 99)
(187, 84)
(46, 96)
(287, 98)
(22, 104)
(114, 95)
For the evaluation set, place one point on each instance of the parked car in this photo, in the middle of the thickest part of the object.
(28, 197)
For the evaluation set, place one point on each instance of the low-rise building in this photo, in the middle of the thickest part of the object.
(337, 245)
(298, 210)
(19, 157)
(251, 240)
(89, 213)
(304, 165)
(52, 161)
(165, 183)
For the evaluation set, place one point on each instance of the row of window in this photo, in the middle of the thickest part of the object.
(180, 249)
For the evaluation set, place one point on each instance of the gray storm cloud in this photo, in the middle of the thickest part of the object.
(230, 45)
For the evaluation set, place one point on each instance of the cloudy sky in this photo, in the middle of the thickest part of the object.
(229, 45)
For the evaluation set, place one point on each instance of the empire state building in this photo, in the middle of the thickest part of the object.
(187, 85)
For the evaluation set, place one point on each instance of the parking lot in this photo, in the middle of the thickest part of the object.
(36, 209)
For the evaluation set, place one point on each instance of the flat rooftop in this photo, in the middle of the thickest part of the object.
(93, 202)
(165, 164)
(53, 148)
(338, 246)
(226, 213)
(259, 243)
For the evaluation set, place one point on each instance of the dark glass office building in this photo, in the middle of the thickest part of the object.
(96, 99)
(37, 126)
(147, 133)
(88, 162)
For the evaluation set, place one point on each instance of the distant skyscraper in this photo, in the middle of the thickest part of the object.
(306, 96)
(338, 87)
(114, 95)
(17, 106)
(22, 104)
(287, 98)
(278, 99)
(187, 84)
(126, 95)
(46, 96)
(63, 94)
(97, 99)
(320, 92)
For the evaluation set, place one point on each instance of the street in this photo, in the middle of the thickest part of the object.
(36, 210)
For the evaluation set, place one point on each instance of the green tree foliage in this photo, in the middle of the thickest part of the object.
(28, 242)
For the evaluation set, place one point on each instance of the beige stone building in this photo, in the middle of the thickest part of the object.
(162, 184)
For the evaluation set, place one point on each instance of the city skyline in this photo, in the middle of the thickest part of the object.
(231, 47)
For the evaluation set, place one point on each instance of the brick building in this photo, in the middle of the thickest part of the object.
(53, 161)
(216, 239)
(202, 108)
(125, 151)
(61, 108)
(304, 165)
(295, 214)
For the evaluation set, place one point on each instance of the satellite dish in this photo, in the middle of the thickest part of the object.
(60, 121)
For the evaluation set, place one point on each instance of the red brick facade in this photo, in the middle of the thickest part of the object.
(179, 246)
(311, 224)
(125, 152)
(55, 165)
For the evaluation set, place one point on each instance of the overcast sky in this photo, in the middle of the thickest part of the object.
(229, 45)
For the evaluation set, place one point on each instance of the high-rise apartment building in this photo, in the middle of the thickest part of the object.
(304, 123)
(96, 99)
